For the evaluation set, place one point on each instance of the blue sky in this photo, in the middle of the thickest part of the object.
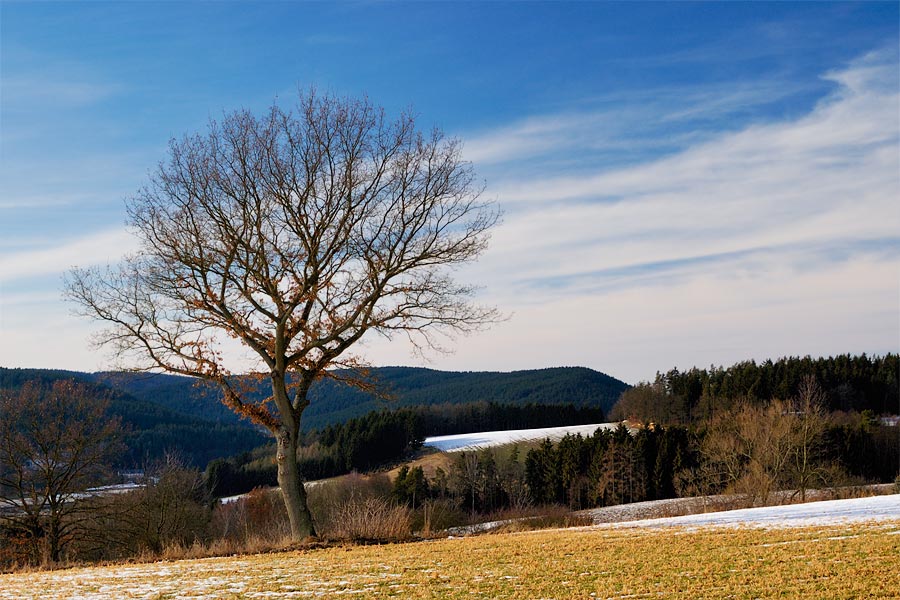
(683, 184)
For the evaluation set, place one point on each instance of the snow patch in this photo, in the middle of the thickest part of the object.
(486, 439)
(825, 512)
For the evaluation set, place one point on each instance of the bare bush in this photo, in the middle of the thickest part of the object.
(172, 508)
(366, 519)
(438, 515)
(357, 507)
(755, 450)
(259, 517)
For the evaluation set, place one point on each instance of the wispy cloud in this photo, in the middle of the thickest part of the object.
(31, 91)
(830, 176)
(99, 248)
(789, 228)
(16, 201)
(661, 118)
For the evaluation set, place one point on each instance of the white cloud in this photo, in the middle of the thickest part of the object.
(631, 332)
(35, 337)
(829, 178)
(779, 238)
(661, 117)
(782, 238)
(99, 248)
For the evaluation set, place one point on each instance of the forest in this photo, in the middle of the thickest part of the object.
(385, 437)
(751, 430)
(397, 387)
(165, 413)
(151, 429)
(850, 383)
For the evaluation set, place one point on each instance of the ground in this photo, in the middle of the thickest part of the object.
(838, 559)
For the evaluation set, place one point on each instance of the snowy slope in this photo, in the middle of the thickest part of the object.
(486, 439)
(826, 512)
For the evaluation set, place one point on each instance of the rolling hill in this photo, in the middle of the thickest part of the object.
(335, 402)
(167, 412)
(153, 428)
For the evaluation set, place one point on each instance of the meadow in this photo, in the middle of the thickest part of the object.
(837, 561)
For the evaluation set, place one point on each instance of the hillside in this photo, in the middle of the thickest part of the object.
(153, 428)
(167, 412)
(334, 402)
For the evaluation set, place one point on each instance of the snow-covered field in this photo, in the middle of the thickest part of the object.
(486, 439)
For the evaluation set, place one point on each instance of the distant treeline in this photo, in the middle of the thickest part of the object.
(151, 430)
(749, 452)
(196, 443)
(615, 467)
(611, 466)
(449, 419)
(335, 402)
(384, 437)
(357, 445)
(411, 387)
(850, 383)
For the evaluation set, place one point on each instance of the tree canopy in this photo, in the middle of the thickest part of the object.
(295, 233)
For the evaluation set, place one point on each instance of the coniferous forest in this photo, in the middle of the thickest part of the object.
(789, 426)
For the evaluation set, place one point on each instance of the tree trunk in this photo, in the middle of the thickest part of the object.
(53, 539)
(292, 490)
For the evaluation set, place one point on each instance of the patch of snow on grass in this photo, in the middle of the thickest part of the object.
(826, 512)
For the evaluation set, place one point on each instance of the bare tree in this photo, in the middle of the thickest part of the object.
(810, 421)
(466, 474)
(758, 449)
(55, 442)
(296, 234)
(750, 447)
(170, 507)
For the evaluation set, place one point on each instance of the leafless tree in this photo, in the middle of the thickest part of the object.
(810, 421)
(170, 507)
(755, 450)
(465, 477)
(749, 448)
(296, 234)
(55, 442)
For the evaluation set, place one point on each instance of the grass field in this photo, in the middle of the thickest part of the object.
(849, 561)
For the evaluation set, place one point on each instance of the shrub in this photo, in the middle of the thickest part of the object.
(258, 517)
(370, 519)
(171, 508)
(358, 508)
(438, 515)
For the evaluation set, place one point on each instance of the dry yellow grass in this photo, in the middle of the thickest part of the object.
(430, 460)
(855, 561)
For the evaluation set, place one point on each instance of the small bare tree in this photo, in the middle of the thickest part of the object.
(55, 442)
(296, 234)
(748, 448)
(810, 421)
(171, 507)
(758, 449)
